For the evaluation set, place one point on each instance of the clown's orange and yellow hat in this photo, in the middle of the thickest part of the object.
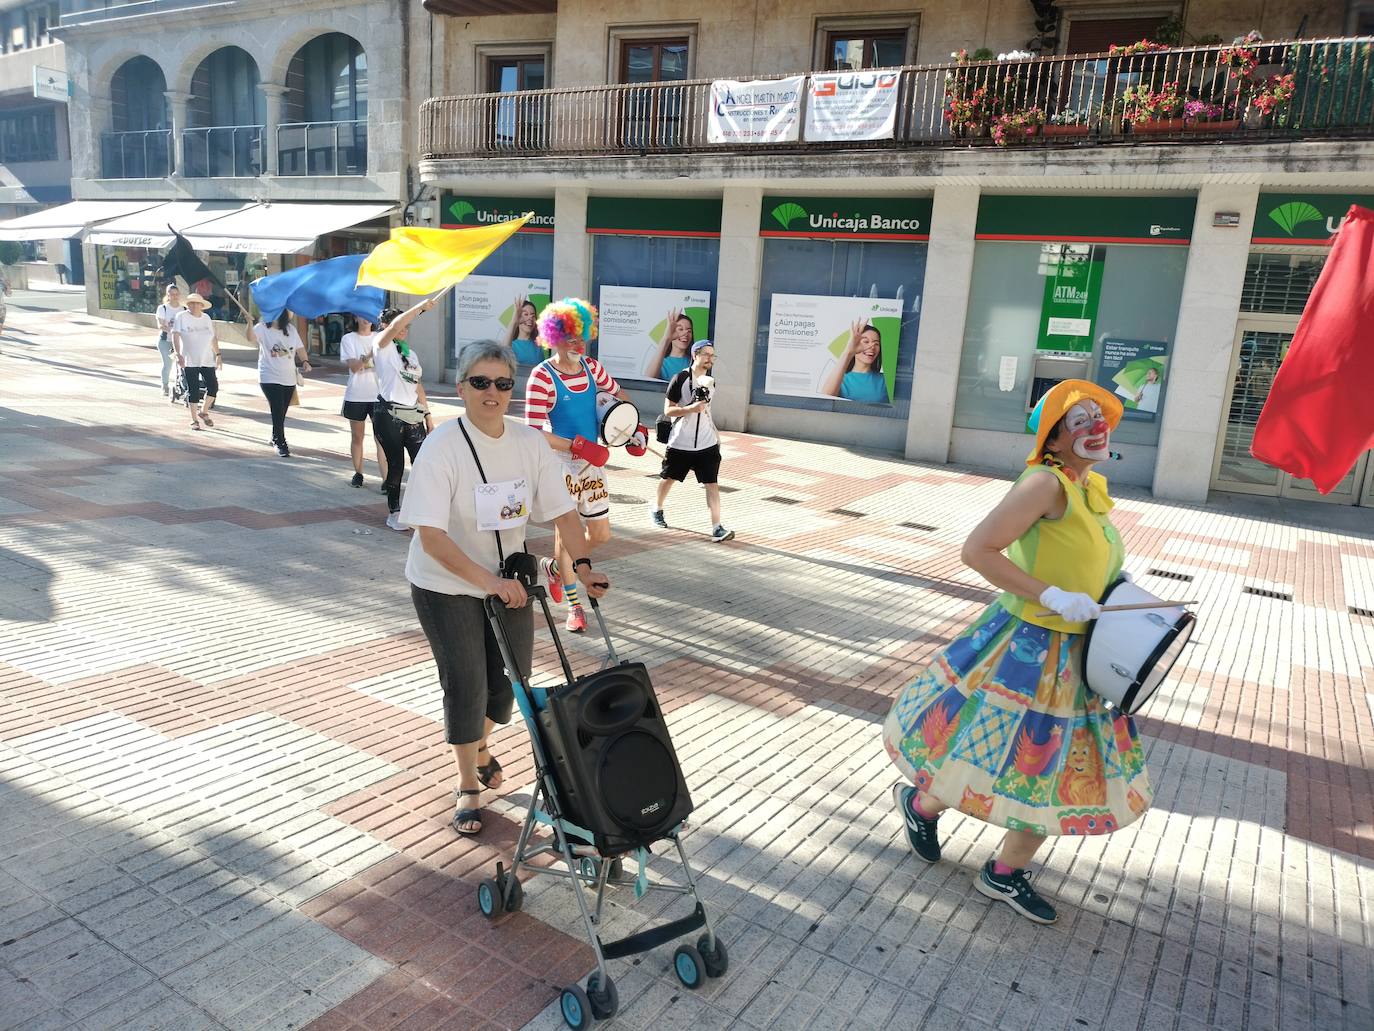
(1058, 400)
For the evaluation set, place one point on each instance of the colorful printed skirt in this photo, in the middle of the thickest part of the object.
(1003, 728)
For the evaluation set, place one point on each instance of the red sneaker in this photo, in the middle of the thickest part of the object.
(577, 620)
(552, 582)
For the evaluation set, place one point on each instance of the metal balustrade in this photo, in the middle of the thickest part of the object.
(1282, 90)
(143, 154)
(322, 148)
(222, 152)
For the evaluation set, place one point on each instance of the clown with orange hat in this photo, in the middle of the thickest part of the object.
(1002, 726)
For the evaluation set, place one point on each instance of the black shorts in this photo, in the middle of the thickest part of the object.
(358, 411)
(704, 464)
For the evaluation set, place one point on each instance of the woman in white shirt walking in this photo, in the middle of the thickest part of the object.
(197, 346)
(400, 419)
(279, 348)
(360, 397)
(170, 307)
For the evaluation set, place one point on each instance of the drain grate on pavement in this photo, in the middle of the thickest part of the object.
(1169, 574)
(1355, 610)
(1264, 592)
(627, 499)
(782, 500)
(924, 527)
(847, 512)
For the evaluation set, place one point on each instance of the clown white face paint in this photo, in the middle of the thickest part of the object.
(1089, 430)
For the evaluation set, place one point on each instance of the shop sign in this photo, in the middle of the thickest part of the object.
(458, 211)
(849, 106)
(824, 347)
(637, 328)
(111, 263)
(759, 111)
(1135, 370)
(653, 216)
(1073, 285)
(1303, 218)
(847, 218)
(1156, 220)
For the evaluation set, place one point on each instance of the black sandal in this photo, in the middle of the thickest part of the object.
(489, 770)
(467, 815)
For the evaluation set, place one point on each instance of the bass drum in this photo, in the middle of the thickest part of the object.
(1127, 655)
(617, 420)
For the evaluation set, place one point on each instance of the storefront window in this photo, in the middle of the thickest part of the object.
(129, 280)
(502, 297)
(1046, 311)
(815, 292)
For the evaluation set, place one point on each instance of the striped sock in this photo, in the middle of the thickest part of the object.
(571, 592)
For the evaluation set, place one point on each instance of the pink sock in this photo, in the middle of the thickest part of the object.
(1001, 869)
(922, 808)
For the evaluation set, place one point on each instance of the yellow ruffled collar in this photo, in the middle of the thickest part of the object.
(1094, 489)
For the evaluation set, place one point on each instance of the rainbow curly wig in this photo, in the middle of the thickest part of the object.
(569, 321)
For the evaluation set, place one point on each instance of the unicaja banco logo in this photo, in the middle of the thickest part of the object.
(460, 210)
(788, 213)
(1293, 214)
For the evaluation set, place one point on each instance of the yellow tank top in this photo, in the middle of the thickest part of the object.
(1079, 551)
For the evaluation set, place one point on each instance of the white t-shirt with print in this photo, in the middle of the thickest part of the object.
(277, 354)
(197, 334)
(167, 312)
(519, 465)
(362, 385)
(396, 378)
(695, 432)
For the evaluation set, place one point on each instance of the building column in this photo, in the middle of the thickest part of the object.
(940, 331)
(571, 253)
(275, 97)
(1190, 426)
(180, 104)
(737, 304)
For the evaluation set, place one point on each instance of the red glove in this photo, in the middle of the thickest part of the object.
(590, 452)
(639, 443)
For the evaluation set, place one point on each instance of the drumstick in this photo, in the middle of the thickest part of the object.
(1130, 608)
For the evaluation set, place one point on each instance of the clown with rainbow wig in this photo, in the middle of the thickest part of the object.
(560, 400)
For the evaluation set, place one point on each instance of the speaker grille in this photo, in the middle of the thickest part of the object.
(637, 779)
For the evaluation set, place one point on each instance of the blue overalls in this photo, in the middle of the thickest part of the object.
(573, 413)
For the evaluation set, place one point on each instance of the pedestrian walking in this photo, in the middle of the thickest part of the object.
(168, 310)
(279, 349)
(4, 292)
(1002, 726)
(473, 489)
(400, 418)
(196, 342)
(693, 443)
(360, 396)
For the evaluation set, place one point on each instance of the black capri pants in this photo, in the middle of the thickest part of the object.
(471, 672)
(398, 439)
(200, 378)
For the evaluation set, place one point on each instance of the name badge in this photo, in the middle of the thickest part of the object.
(502, 506)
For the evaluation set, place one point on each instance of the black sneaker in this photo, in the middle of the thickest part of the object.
(656, 515)
(283, 450)
(357, 480)
(720, 534)
(921, 833)
(1014, 889)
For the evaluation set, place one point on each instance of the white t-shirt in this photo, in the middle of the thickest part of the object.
(362, 385)
(396, 379)
(167, 312)
(197, 332)
(1149, 398)
(523, 474)
(695, 432)
(277, 354)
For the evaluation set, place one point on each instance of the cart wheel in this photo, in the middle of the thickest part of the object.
(489, 899)
(716, 962)
(605, 999)
(689, 967)
(587, 867)
(577, 1010)
(516, 901)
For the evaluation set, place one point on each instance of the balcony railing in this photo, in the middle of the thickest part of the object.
(1275, 91)
(145, 154)
(322, 148)
(222, 151)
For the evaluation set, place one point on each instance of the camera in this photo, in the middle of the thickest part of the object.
(701, 394)
(522, 566)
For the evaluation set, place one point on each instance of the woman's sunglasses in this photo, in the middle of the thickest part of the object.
(503, 383)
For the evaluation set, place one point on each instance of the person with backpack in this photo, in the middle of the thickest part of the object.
(693, 444)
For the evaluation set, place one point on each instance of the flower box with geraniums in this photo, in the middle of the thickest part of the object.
(1269, 98)
(1153, 111)
(1204, 116)
(1067, 122)
(1017, 126)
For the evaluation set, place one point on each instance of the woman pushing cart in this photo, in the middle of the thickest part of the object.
(1002, 726)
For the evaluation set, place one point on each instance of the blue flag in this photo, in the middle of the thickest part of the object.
(318, 289)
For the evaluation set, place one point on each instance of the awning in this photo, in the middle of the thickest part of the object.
(149, 228)
(281, 228)
(67, 220)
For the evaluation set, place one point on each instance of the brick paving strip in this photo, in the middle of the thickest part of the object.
(225, 798)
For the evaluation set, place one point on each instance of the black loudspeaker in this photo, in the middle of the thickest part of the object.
(612, 759)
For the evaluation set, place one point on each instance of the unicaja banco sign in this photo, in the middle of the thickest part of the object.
(1309, 218)
(835, 218)
(458, 212)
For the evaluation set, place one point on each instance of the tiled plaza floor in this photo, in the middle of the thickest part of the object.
(224, 795)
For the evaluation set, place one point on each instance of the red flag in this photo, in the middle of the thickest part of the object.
(1318, 419)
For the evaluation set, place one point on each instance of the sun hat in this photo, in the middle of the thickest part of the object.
(194, 298)
(1058, 400)
(699, 345)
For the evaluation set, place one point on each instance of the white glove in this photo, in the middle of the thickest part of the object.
(1072, 605)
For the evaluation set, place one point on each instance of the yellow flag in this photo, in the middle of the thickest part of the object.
(422, 261)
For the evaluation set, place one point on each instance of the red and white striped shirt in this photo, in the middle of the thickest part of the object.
(540, 395)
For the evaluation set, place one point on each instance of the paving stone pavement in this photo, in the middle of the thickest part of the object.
(224, 792)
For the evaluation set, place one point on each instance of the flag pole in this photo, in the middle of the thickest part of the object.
(215, 279)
